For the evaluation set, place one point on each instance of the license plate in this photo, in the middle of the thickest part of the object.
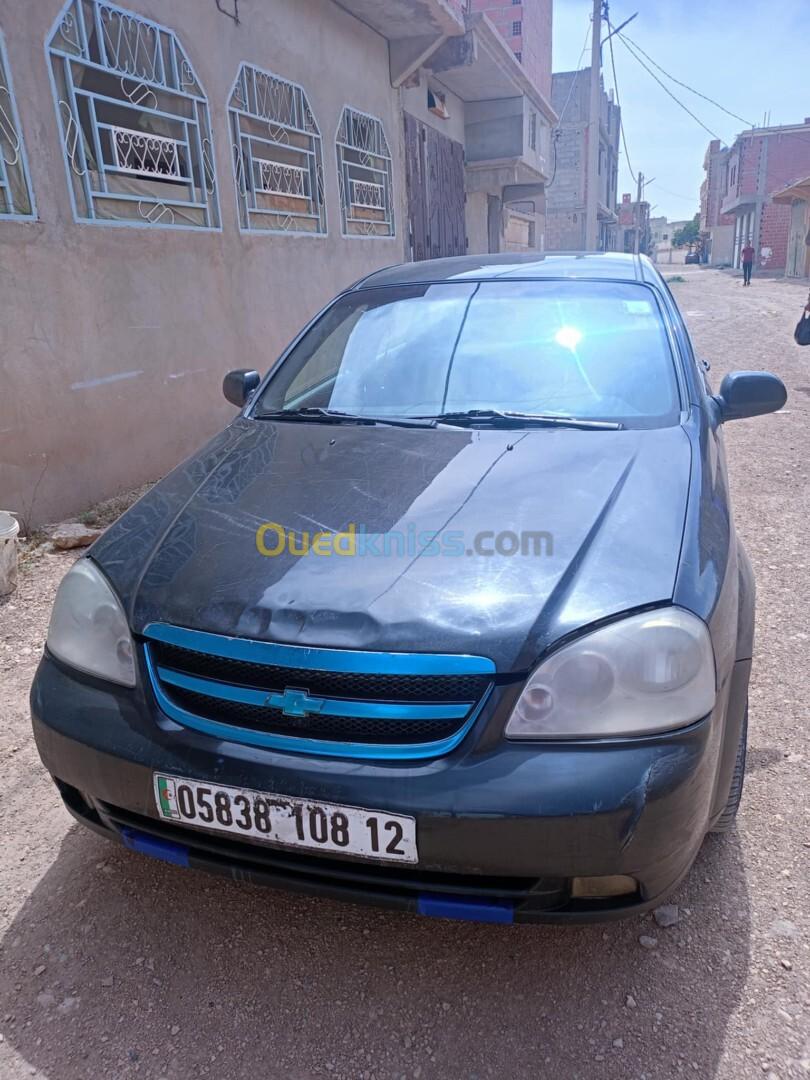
(279, 819)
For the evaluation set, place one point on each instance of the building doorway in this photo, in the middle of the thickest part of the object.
(434, 175)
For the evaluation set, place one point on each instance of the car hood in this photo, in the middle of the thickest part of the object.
(429, 508)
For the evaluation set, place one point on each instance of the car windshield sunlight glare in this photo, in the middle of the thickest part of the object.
(585, 350)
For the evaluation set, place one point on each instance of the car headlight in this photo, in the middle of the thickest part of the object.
(638, 675)
(88, 628)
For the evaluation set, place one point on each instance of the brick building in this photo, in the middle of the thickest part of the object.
(567, 191)
(717, 229)
(763, 161)
(634, 216)
(526, 26)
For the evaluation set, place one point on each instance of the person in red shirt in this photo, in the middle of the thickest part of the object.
(747, 262)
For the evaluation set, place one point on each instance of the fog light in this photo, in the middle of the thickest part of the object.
(592, 888)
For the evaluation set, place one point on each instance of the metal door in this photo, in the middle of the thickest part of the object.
(796, 245)
(434, 175)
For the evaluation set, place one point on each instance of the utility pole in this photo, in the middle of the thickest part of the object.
(594, 112)
(637, 215)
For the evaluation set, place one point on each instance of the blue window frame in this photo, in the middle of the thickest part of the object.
(16, 195)
(134, 120)
(365, 176)
(277, 155)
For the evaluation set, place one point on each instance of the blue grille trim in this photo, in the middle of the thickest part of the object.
(292, 744)
(302, 656)
(326, 706)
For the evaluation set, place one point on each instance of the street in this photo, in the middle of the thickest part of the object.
(114, 966)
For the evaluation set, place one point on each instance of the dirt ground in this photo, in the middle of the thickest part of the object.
(115, 966)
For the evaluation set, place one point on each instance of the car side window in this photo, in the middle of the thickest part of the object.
(683, 339)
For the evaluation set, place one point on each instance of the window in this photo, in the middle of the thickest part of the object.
(516, 3)
(533, 130)
(517, 28)
(519, 56)
(134, 120)
(437, 104)
(364, 175)
(16, 197)
(594, 350)
(277, 155)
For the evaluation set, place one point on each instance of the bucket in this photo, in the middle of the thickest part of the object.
(9, 527)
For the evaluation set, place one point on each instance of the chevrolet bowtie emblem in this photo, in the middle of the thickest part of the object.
(295, 702)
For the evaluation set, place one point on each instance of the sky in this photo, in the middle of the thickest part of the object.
(750, 57)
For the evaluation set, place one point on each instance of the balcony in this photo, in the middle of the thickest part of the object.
(735, 201)
(401, 20)
(414, 31)
(507, 120)
(498, 137)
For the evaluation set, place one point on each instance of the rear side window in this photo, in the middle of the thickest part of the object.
(593, 350)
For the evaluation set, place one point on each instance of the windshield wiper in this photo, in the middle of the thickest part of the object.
(473, 416)
(319, 415)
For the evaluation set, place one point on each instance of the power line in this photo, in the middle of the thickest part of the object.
(575, 78)
(666, 89)
(674, 194)
(557, 131)
(618, 100)
(686, 86)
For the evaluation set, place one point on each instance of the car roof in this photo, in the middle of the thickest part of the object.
(594, 265)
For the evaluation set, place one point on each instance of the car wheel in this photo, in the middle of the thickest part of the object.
(726, 820)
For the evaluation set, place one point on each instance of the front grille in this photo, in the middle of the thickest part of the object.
(344, 684)
(275, 695)
(340, 728)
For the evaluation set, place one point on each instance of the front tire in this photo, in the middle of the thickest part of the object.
(726, 820)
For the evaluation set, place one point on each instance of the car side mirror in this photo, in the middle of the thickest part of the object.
(237, 386)
(750, 393)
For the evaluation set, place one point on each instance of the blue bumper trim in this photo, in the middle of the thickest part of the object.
(177, 854)
(451, 907)
(301, 656)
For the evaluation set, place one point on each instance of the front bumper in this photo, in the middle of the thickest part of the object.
(503, 825)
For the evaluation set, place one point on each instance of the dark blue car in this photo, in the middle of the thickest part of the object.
(453, 617)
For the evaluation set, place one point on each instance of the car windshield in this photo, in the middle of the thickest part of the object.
(583, 349)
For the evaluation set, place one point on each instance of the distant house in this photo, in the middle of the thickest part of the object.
(567, 190)
(716, 228)
(797, 197)
(662, 236)
(634, 217)
(760, 163)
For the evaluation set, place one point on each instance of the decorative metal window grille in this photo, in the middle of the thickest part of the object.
(16, 196)
(134, 120)
(365, 175)
(277, 155)
(368, 195)
(145, 155)
(517, 28)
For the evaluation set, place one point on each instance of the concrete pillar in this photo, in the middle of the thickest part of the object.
(739, 226)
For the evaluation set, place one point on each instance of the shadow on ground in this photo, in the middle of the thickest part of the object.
(118, 967)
